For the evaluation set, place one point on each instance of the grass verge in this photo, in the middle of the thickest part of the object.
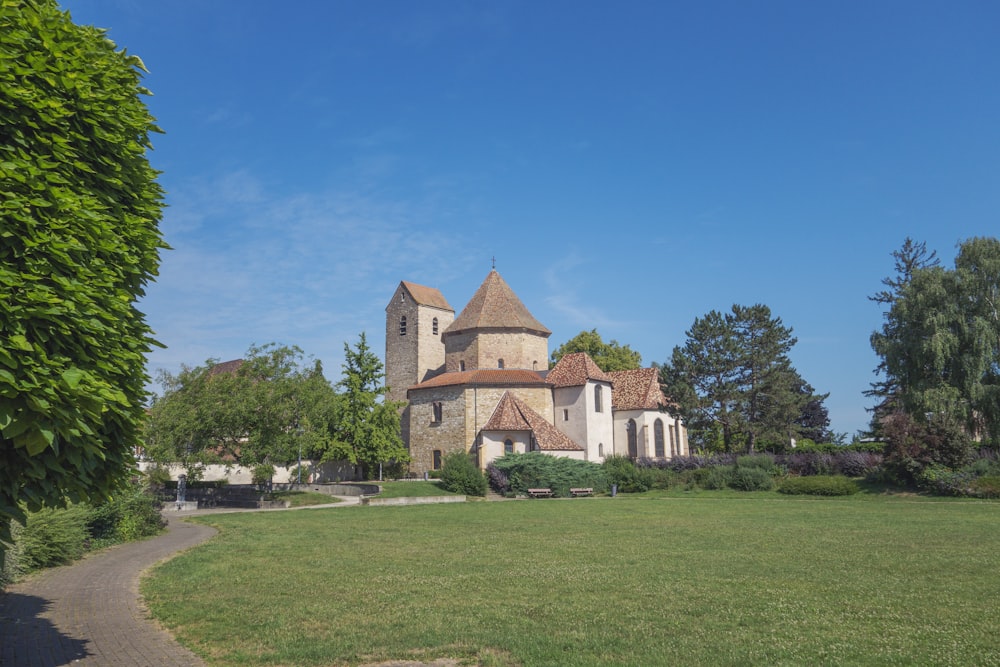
(413, 489)
(625, 581)
(303, 498)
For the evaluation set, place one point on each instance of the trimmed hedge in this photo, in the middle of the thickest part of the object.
(819, 485)
(514, 474)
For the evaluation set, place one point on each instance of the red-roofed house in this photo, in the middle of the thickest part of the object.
(479, 383)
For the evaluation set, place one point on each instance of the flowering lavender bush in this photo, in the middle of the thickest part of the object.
(857, 464)
(498, 479)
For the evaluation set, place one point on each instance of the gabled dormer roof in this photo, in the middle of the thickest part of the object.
(637, 389)
(513, 414)
(425, 296)
(575, 370)
(495, 306)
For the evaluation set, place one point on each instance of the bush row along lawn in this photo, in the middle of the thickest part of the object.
(597, 581)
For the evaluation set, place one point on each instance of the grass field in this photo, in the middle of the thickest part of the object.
(645, 580)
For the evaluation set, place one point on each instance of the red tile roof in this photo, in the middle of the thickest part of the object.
(574, 370)
(637, 389)
(427, 296)
(513, 414)
(494, 305)
(487, 377)
(225, 367)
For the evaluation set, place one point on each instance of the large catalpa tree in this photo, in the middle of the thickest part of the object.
(79, 240)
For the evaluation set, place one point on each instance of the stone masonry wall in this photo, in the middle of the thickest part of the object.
(426, 435)
(483, 349)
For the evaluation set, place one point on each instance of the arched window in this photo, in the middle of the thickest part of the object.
(600, 449)
(499, 363)
(461, 365)
(402, 325)
(633, 440)
(508, 446)
(598, 398)
(658, 438)
(434, 326)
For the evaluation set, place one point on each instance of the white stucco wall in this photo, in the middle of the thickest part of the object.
(585, 426)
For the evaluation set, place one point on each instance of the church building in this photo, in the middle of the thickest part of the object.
(480, 383)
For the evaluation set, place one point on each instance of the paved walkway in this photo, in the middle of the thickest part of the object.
(90, 614)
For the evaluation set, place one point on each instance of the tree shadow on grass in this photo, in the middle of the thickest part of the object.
(28, 639)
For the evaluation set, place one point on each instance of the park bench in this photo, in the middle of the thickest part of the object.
(581, 492)
(540, 493)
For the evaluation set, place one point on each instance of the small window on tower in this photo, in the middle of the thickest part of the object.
(499, 363)
(565, 415)
(508, 446)
(434, 326)
(437, 412)
(402, 325)
(461, 365)
(437, 459)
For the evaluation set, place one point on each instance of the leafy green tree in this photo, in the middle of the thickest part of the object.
(263, 410)
(733, 380)
(79, 241)
(366, 430)
(911, 257)
(609, 357)
(940, 344)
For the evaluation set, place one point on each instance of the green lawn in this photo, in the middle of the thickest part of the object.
(303, 498)
(598, 581)
(419, 488)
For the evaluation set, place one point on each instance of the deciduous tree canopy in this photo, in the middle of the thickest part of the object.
(263, 409)
(940, 343)
(609, 357)
(79, 241)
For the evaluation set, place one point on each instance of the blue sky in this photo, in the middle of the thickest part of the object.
(631, 165)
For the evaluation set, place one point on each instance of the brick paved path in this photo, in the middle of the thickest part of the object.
(89, 613)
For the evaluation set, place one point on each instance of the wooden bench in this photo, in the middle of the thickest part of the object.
(581, 492)
(540, 493)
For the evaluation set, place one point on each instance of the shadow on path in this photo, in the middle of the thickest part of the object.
(27, 637)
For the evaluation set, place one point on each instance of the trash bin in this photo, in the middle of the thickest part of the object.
(614, 490)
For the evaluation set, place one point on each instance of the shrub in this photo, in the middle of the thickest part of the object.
(759, 461)
(459, 474)
(751, 479)
(261, 475)
(621, 471)
(537, 470)
(52, 537)
(497, 479)
(986, 487)
(809, 463)
(854, 463)
(944, 481)
(717, 477)
(819, 485)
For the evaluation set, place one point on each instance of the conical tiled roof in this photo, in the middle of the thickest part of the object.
(495, 306)
(574, 370)
(513, 414)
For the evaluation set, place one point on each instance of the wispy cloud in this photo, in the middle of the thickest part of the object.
(252, 265)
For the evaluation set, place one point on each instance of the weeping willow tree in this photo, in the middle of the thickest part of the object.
(940, 342)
